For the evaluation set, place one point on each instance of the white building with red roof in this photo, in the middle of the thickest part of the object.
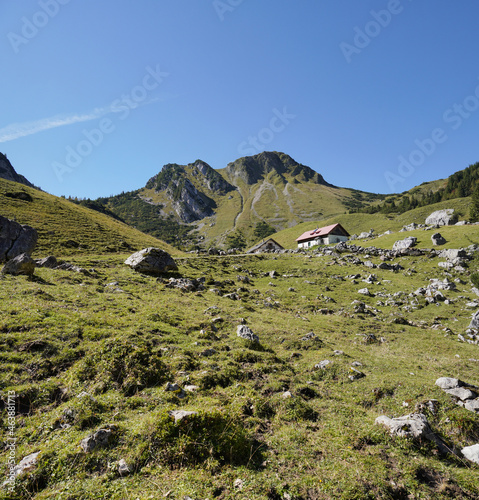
(328, 235)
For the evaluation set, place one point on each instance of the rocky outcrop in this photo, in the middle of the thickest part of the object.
(21, 264)
(252, 169)
(15, 239)
(152, 261)
(444, 217)
(210, 178)
(8, 172)
(186, 186)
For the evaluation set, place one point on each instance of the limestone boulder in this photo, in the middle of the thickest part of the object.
(246, 333)
(15, 239)
(408, 242)
(22, 264)
(444, 217)
(413, 426)
(438, 239)
(152, 261)
(452, 254)
(474, 321)
(471, 453)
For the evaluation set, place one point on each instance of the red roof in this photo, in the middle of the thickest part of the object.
(316, 233)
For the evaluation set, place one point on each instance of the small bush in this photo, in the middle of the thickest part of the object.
(223, 378)
(475, 279)
(296, 409)
(198, 438)
(128, 365)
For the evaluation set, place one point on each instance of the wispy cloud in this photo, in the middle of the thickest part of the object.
(17, 130)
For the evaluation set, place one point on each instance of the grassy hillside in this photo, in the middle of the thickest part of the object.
(90, 353)
(358, 222)
(456, 237)
(281, 201)
(59, 221)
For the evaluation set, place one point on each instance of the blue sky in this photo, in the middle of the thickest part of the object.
(375, 95)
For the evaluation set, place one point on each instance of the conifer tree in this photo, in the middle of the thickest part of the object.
(474, 212)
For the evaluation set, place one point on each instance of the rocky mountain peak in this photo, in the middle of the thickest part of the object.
(8, 172)
(252, 169)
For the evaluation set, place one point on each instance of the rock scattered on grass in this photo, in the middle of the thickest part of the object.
(406, 243)
(98, 439)
(323, 364)
(15, 239)
(355, 374)
(463, 393)
(123, 468)
(179, 415)
(438, 239)
(22, 264)
(471, 453)
(152, 261)
(246, 333)
(176, 389)
(27, 464)
(414, 425)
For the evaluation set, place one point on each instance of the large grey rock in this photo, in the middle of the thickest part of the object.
(448, 383)
(472, 405)
(474, 321)
(444, 217)
(437, 239)
(408, 242)
(471, 453)
(22, 264)
(15, 239)
(49, 262)
(414, 425)
(461, 393)
(453, 253)
(246, 333)
(153, 261)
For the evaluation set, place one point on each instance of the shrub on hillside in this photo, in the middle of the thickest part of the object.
(207, 435)
(124, 364)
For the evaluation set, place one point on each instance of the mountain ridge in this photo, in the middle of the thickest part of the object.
(268, 188)
(195, 206)
(9, 173)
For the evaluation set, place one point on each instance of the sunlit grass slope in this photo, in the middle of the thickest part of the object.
(59, 222)
(358, 223)
(89, 352)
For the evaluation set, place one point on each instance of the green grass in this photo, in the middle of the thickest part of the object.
(59, 221)
(63, 333)
(358, 223)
